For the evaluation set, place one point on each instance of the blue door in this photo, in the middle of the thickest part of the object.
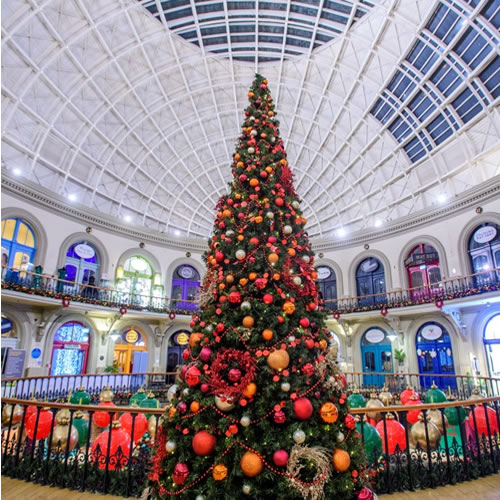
(435, 356)
(376, 356)
(370, 281)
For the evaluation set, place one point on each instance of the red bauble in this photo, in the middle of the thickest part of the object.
(303, 408)
(412, 415)
(279, 202)
(205, 354)
(203, 443)
(193, 375)
(102, 418)
(220, 327)
(219, 256)
(140, 424)
(254, 241)
(261, 283)
(44, 425)
(395, 435)
(243, 178)
(280, 458)
(406, 395)
(204, 388)
(268, 298)
(235, 297)
(304, 322)
(180, 474)
(271, 239)
(309, 343)
(234, 374)
(185, 354)
(279, 417)
(479, 415)
(119, 440)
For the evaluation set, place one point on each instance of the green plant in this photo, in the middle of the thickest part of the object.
(400, 355)
(112, 368)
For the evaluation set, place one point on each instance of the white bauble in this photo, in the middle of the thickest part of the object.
(285, 386)
(251, 150)
(200, 497)
(273, 139)
(209, 329)
(170, 446)
(240, 254)
(299, 436)
(247, 489)
(230, 233)
(245, 421)
(340, 437)
(172, 391)
(246, 306)
(270, 215)
(185, 391)
(253, 132)
(287, 229)
(306, 259)
(252, 118)
(295, 204)
(226, 405)
(291, 338)
(297, 281)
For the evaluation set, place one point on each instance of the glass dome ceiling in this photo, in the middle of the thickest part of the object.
(118, 107)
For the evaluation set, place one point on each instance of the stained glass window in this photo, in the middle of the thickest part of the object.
(73, 332)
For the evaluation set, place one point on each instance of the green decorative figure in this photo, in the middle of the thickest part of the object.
(61, 276)
(356, 400)
(139, 396)
(81, 424)
(80, 397)
(149, 402)
(372, 440)
(37, 277)
(435, 395)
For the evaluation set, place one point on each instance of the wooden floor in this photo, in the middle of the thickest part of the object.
(487, 488)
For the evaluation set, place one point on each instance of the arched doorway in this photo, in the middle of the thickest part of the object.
(82, 263)
(376, 356)
(435, 356)
(134, 281)
(370, 281)
(130, 351)
(327, 286)
(18, 249)
(70, 349)
(492, 345)
(185, 286)
(424, 272)
(484, 253)
(10, 336)
(176, 345)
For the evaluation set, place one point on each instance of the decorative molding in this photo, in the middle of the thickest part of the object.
(455, 316)
(32, 192)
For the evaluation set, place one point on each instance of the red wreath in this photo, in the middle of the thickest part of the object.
(171, 315)
(65, 302)
(226, 359)
(336, 315)
(439, 303)
(384, 311)
(123, 310)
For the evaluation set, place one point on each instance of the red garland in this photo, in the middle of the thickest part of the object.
(224, 360)
(159, 455)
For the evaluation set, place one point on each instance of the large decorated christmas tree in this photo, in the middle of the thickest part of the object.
(261, 409)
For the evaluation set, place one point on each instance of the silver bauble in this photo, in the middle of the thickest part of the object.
(185, 391)
(170, 446)
(306, 259)
(297, 280)
(229, 233)
(285, 386)
(247, 489)
(299, 436)
(291, 338)
(251, 150)
(270, 215)
(273, 139)
(340, 437)
(245, 421)
(252, 118)
(245, 305)
(253, 132)
(172, 391)
(295, 204)
(240, 254)
(287, 229)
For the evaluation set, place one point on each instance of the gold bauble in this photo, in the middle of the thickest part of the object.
(278, 360)
(106, 395)
(329, 412)
(373, 402)
(62, 415)
(60, 437)
(385, 396)
(418, 436)
(17, 415)
(476, 394)
(152, 426)
(220, 472)
(435, 417)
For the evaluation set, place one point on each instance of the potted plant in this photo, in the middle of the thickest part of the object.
(400, 356)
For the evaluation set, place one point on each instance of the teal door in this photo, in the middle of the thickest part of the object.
(376, 357)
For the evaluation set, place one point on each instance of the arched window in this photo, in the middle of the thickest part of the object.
(177, 342)
(185, 286)
(484, 253)
(134, 281)
(130, 351)
(370, 281)
(327, 286)
(376, 356)
(435, 355)
(10, 337)
(492, 345)
(18, 247)
(424, 273)
(70, 349)
(82, 263)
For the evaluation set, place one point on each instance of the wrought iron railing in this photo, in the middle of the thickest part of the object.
(69, 291)
(89, 447)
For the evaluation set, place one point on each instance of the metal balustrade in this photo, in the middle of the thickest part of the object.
(44, 285)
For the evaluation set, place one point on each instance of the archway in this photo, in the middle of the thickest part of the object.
(376, 356)
(130, 354)
(136, 282)
(370, 282)
(424, 271)
(491, 339)
(82, 265)
(185, 286)
(435, 355)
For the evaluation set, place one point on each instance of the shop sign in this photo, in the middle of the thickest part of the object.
(431, 332)
(131, 336)
(369, 265)
(323, 273)
(182, 338)
(186, 272)
(84, 251)
(485, 234)
(6, 325)
(374, 336)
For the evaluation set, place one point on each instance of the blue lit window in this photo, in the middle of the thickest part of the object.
(400, 129)
(422, 56)
(415, 149)
(446, 79)
(472, 47)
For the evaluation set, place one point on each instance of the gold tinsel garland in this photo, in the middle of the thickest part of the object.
(206, 290)
(321, 458)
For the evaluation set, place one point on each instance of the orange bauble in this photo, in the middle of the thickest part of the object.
(230, 278)
(194, 407)
(220, 472)
(243, 281)
(226, 213)
(276, 276)
(251, 94)
(252, 276)
(273, 258)
(323, 344)
(203, 443)
(278, 360)
(194, 339)
(289, 307)
(267, 334)
(254, 182)
(250, 390)
(240, 237)
(341, 460)
(291, 252)
(258, 219)
(248, 321)
(237, 156)
(251, 464)
(329, 412)
(240, 164)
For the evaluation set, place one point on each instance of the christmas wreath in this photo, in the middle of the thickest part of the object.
(226, 361)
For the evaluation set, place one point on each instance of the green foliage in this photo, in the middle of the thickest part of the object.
(400, 355)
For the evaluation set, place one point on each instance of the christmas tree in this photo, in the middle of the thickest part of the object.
(261, 409)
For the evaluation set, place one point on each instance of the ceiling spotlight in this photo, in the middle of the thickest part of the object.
(341, 232)
(442, 198)
(17, 171)
(127, 218)
(72, 197)
(378, 223)
(177, 232)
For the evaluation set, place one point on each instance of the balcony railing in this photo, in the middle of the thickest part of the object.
(69, 291)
